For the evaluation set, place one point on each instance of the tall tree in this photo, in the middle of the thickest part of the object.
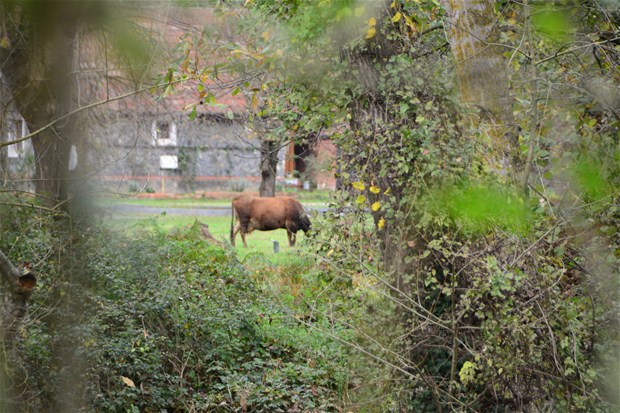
(38, 56)
(473, 34)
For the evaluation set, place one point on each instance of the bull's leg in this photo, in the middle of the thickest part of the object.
(291, 238)
(234, 234)
(243, 234)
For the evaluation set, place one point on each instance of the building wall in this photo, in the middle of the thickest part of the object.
(16, 160)
(211, 153)
(325, 168)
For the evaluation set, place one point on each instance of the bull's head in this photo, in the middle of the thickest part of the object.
(304, 223)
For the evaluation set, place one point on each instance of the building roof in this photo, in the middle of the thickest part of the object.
(169, 35)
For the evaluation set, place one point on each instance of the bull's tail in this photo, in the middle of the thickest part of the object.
(232, 223)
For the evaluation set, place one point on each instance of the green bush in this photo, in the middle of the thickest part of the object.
(162, 322)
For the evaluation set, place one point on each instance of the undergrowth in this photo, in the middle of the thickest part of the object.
(162, 321)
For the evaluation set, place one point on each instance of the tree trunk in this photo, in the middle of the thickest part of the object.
(52, 151)
(268, 168)
(40, 74)
(483, 83)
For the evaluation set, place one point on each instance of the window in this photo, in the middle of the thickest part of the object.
(164, 133)
(16, 130)
(73, 158)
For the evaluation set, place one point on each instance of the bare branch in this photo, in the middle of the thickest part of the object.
(94, 105)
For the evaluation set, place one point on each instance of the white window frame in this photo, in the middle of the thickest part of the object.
(170, 140)
(73, 158)
(16, 150)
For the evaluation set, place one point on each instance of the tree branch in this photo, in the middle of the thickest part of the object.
(94, 105)
(8, 271)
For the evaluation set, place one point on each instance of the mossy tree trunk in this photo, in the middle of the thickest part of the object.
(473, 37)
(38, 68)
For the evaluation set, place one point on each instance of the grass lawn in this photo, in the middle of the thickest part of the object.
(260, 243)
(305, 197)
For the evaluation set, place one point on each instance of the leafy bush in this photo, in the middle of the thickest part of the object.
(165, 322)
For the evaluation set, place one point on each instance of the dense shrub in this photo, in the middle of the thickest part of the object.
(165, 322)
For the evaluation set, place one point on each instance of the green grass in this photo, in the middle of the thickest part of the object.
(169, 203)
(260, 244)
(306, 197)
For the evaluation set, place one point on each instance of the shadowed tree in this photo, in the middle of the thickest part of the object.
(38, 57)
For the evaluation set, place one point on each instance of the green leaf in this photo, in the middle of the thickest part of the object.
(552, 22)
(589, 177)
(477, 207)
(468, 372)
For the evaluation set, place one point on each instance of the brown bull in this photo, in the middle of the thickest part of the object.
(266, 214)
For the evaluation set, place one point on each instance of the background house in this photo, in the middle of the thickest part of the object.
(16, 160)
(146, 143)
(310, 165)
(156, 146)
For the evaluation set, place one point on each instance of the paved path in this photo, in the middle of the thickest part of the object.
(139, 209)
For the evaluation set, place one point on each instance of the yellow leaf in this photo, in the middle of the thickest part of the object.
(374, 189)
(381, 223)
(411, 24)
(372, 22)
(371, 33)
(358, 185)
(387, 191)
(393, 5)
(376, 206)
(360, 199)
(265, 36)
(254, 101)
(396, 17)
(128, 381)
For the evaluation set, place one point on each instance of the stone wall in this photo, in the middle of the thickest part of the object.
(211, 153)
